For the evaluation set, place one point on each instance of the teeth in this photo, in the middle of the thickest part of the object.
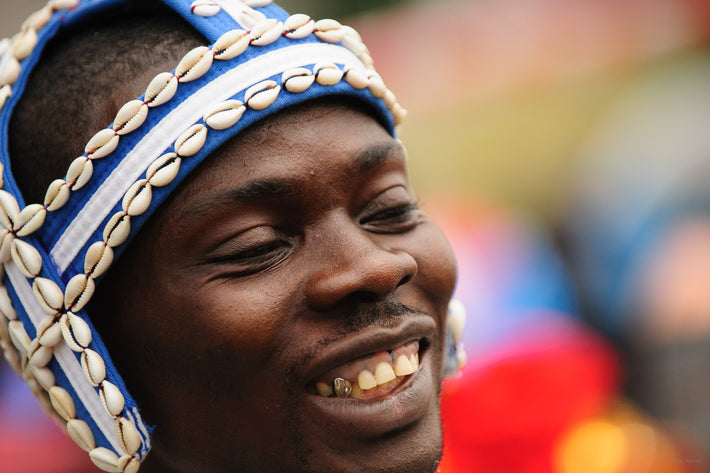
(366, 380)
(324, 389)
(342, 387)
(388, 374)
(356, 392)
(414, 360)
(403, 367)
(384, 373)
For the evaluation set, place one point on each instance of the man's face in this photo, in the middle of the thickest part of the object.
(295, 255)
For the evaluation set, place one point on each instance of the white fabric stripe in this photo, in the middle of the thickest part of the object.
(66, 358)
(164, 134)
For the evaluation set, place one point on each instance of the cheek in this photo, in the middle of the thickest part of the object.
(437, 265)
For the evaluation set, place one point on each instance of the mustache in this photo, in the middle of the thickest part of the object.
(384, 313)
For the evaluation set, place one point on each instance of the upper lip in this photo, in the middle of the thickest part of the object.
(371, 340)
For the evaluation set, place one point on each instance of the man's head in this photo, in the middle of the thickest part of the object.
(283, 308)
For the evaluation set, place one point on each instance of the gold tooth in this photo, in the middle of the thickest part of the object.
(403, 367)
(324, 389)
(366, 380)
(384, 373)
(342, 387)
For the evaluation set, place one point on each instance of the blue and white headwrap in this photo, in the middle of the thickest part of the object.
(260, 61)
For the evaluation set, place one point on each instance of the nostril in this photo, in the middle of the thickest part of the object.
(404, 280)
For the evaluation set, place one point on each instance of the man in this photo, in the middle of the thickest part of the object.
(282, 303)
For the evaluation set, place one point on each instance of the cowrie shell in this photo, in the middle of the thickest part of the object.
(79, 173)
(112, 398)
(130, 117)
(5, 45)
(329, 31)
(266, 32)
(102, 144)
(351, 33)
(24, 43)
(104, 459)
(63, 4)
(30, 219)
(79, 290)
(128, 437)
(117, 229)
(297, 80)
(76, 332)
(81, 434)
(192, 141)
(161, 89)
(399, 114)
(138, 198)
(5, 93)
(38, 19)
(57, 195)
(93, 366)
(62, 403)
(10, 71)
(390, 99)
(261, 95)
(357, 47)
(6, 308)
(49, 295)
(163, 170)
(298, 26)
(256, 3)
(205, 8)
(18, 336)
(195, 64)
(49, 331)
(44, 377)
(225, 115)
(355, 77)
(129, 464)
(98, 258)
(26, 257)
(38, 354)
(456, 319)
(248, 17)
(6, 239)
(9, 209)
(231, 44)
(376, 85)
(327, 74)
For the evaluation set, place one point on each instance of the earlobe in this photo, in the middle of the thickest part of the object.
(455, 355)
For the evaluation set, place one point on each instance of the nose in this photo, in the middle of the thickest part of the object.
(355, 265)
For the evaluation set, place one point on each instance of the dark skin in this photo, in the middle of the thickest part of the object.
(295, 248)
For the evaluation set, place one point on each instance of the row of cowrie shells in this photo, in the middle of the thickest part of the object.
(60, 322)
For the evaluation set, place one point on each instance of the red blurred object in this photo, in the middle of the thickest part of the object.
(506, 411)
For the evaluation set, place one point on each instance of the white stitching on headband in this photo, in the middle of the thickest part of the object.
(164, 134)
(65, 357)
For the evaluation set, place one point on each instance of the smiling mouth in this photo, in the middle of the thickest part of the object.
(373, 376)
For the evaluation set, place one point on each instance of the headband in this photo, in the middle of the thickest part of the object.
(259, 61)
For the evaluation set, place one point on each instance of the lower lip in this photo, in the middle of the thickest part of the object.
(404, 406)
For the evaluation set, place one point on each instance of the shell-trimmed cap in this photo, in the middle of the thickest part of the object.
(51, 252)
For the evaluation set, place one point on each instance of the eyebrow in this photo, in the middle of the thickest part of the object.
(374, 155)
(269, 188)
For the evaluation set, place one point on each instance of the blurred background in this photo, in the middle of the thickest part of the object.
(564, 148)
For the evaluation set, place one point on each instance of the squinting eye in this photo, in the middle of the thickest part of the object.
(393, 211)
(256, 250)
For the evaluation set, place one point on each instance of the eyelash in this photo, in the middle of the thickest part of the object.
(397, 216)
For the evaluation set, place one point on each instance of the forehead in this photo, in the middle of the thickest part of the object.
(314, 136)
